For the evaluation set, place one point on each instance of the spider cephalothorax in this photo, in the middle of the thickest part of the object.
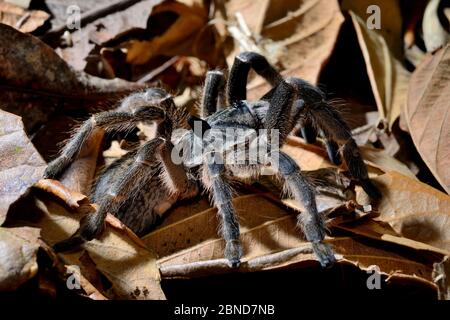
(177, 162)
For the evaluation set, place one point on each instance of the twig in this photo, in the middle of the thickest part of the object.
(93, 15)
(220, 266)
(158, 70)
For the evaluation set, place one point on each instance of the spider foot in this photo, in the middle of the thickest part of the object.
(324, 254)
(233, 253)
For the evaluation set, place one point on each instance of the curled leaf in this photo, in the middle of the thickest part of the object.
(414, 210)
(427, 114)
(388, 78)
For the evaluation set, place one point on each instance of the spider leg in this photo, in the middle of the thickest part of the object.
(310, 221)
(308, 132)
(108, 120)
(332, 149)
(335, 131)
(214, 86)
(237, 81)
(279, 113)
(220, 189)
(145, 165)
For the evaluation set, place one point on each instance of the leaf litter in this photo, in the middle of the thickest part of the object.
(405, 234)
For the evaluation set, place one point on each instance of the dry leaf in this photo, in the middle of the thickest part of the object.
(427, 114)
(380, 159)
(414, 210)
(252, 210)
(270, 240)
(188, 35)
(254, 12)
(69, 197)
(277, 244)
(34, 65)
(20, 164)
(129, 267)
(35, 77)
(105, 29)
(18, 249)
(388, 78)
(23, 20)
(383, 232)
(307, 30)
(391, 20)
(63, 271)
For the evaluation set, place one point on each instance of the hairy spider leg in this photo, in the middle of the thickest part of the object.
(310, 221)
(92, 225)
(215, 181)
(132, 110)
(213, 90)
(335, 131)
(237, 80)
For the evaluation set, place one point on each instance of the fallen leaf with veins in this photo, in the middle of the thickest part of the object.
(427, 114)
(20, 164)
(414, 210)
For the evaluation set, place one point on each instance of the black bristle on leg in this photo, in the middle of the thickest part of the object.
(333, 152)
(214, 85)
(309, 220)
(334, 128)
(309, 134)
(222, 198)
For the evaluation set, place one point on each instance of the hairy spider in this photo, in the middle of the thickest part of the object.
(144, 183)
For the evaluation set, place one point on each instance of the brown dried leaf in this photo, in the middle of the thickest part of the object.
(383, 232)
(112, 25)
(252, 210)
(20, 164)
(34, 65)
(36, 78)
(64, 270)
(391, 20)
(18, 249)
(381, 160)
(388, 78)
(188, 35)
(23, 20)
(130, 267)
(270, 240)
(414, 210)
(307, 30)
(427, 114)
(277, 244)
(71, 198)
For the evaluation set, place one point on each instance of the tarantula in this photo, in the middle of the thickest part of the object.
(144, 183)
